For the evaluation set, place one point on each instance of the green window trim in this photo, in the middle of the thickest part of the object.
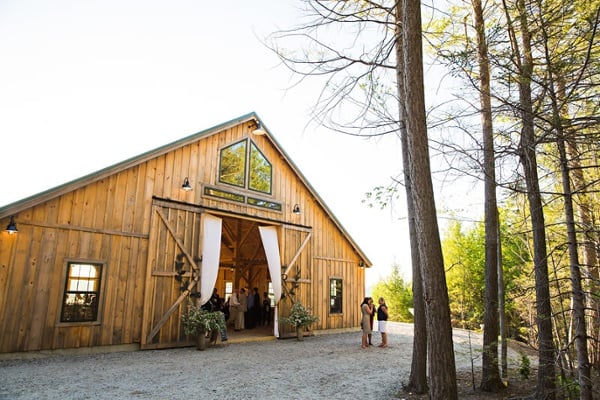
(223, 194)
(271, 205)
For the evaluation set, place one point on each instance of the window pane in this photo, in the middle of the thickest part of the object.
(228, 290)
(260, 171)
(232, 167)
(271, 205)
(209, 191)
(82, 285)
(271, 294)
(82, 290)
(335, 296)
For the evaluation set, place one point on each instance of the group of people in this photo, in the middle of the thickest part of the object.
(247, 311)
(368, 313)
(243, 311)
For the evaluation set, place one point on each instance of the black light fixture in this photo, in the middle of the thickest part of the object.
(186, 185)
(12, 226)
(296, 209)
(259, 130)
(361, 264)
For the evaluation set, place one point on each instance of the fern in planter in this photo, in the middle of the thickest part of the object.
(198, 321)
(299, 317)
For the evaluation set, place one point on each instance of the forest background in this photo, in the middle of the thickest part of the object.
(524, 123)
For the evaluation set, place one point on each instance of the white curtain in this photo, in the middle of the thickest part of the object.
(268, 235)
(211, 252)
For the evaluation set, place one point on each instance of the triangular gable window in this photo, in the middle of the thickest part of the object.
(245, 166)
(232, 163)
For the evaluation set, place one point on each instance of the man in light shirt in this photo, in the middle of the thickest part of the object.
(234, 308)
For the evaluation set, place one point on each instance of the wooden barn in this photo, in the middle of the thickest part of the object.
(115, 257)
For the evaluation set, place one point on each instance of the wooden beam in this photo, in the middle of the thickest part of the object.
(170, 311)
(334, 259)
(295, 258)
(179, 244)
(170, 273)
(246, 235)
(76, 228)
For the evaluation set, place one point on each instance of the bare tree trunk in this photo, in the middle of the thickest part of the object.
(490, 379)
(417, 382)
(546, 372)
(502, 311)
(577, 296)
(442, 368)
(590, 259)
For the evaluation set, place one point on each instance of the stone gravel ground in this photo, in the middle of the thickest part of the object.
(325, 366)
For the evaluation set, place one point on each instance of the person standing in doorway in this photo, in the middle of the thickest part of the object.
(266, 309)
(382, 316)
(249, 317)
(243, 298)
(234, 308)
(255, 310)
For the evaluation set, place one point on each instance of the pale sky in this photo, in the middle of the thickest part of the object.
(87, 84)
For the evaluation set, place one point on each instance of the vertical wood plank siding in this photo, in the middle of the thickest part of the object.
(110, 220)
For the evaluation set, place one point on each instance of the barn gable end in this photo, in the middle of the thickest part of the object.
(108, 244)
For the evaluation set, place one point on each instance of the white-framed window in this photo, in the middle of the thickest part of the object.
(228, 290)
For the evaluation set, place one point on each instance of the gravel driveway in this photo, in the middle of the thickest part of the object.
(326, 366)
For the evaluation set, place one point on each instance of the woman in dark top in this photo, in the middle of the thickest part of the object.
(382, 316)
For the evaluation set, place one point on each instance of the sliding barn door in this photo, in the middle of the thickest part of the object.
(298, 282)
(181, 237)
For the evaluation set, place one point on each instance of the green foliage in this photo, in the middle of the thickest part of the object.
(260, 171)
(198, 321)
(299, 316)
(397, 294)
(232, 167)
(382, 196)
(524, 366)
(570, 387)
(464, 257)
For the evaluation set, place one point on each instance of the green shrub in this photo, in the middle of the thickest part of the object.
(524, 366)
(199, 321)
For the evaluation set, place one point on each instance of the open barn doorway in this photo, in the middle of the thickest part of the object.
(192, 252)
(243, 265)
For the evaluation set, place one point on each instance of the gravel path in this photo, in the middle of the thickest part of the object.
(328, 366)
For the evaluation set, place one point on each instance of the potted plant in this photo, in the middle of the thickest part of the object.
(299, 318)
(198, 322)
